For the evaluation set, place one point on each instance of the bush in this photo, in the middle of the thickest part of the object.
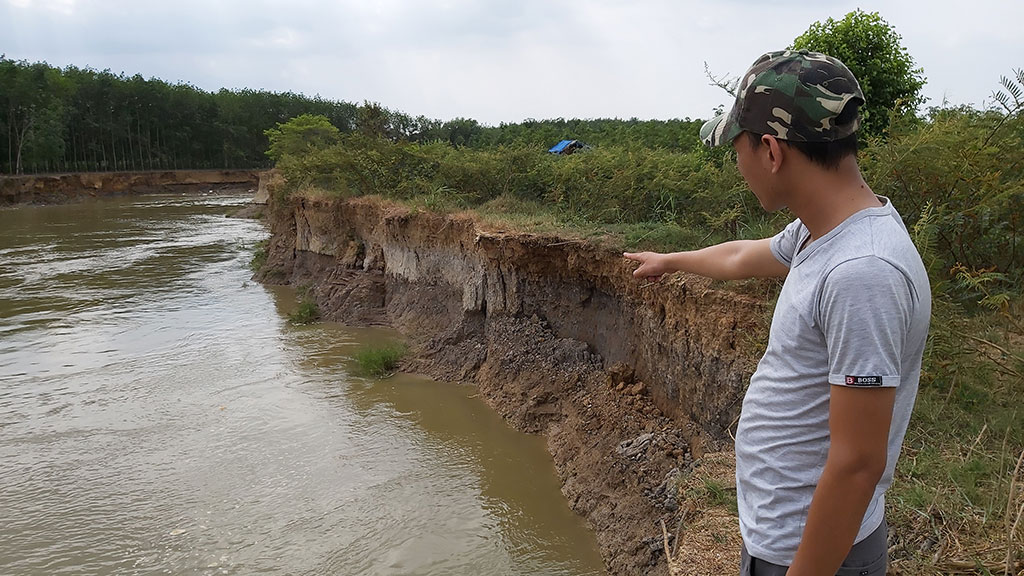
(259, 256)
(380, 362)
(300, 135)
(958, 179)
(871, 49)
(307, 311)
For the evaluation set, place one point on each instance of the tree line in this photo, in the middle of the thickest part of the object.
(79, 119)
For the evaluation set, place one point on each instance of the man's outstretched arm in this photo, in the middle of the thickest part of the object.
(734, 260)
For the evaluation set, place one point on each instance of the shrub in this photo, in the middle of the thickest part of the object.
(259, 256)
(871, 49)
(959, 181)
(307, 311)
(381, 361)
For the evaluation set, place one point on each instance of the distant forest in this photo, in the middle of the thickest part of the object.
(80, 119)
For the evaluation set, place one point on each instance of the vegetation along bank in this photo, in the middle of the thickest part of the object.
(501, 264)
(503, 267)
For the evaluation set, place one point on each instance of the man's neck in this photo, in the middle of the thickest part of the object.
(823, 199)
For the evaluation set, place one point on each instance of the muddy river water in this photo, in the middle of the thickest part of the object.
(159, 415)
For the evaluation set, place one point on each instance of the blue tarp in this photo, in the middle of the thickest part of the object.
(561, 146)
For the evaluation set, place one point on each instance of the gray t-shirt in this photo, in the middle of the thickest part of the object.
(854, 311)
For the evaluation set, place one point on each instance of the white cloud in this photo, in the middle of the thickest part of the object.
(499, 60)
(65, 7)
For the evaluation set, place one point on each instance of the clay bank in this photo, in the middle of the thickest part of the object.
(64, 188)
(635, 385)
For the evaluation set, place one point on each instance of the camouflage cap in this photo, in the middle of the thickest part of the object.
(793, 95)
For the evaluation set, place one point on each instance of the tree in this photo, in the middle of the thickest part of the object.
(374, 120)
(871, 49)
(32, 98)
(461, 131)
(301, 134)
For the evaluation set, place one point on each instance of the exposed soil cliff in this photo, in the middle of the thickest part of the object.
(629, 381)
(61, 188)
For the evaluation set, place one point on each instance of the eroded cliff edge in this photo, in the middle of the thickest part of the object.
(78, 186)
(629, 381)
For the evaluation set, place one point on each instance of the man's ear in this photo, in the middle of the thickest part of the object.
(775, 152)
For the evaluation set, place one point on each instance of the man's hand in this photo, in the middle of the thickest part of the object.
(652, 265)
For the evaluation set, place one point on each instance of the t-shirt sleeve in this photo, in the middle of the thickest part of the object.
(784, 244)
(865, 311)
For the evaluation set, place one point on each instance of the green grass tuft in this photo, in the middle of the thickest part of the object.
(307, 311)
(380, 362)
(259, 256)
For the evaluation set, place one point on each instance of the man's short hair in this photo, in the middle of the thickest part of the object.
(825, 154)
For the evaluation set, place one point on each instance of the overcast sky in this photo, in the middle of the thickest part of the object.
(498, 60)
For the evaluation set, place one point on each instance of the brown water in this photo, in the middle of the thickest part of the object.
(158, 415)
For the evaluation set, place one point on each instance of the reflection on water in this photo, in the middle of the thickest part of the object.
(159, 415)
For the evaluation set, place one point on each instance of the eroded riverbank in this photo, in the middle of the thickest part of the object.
(630, 383)
(64, 188)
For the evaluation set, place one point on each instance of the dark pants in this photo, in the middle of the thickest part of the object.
(867, 558)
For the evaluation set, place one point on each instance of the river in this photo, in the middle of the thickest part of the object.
(160, 415)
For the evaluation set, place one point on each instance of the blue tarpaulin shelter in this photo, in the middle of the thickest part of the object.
(567, 147)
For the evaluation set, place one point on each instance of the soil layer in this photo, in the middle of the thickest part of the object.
(633, 384)
(64, 188)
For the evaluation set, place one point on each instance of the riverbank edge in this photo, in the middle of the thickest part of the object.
(631, 383)
(83, 186)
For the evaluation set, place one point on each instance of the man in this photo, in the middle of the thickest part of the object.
(827, 408)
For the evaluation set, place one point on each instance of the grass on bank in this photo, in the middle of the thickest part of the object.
(306, 312)
(380, 361)
(259, 256)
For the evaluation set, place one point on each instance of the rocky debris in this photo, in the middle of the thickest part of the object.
(666, 494)
(620, 373)
(636, 446)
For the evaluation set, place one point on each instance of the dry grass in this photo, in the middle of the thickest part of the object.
(707, 538)
(707, 541)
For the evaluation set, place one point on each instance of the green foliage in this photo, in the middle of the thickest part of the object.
(76, 119)
(871, 49)
(32, 101)
(306, 312)
(301, 135)
(956, 175)
(661, 237)
(713, 493)
(958, 178)
(380, 362)
(677, 135)
(259, 256)
(609, 185)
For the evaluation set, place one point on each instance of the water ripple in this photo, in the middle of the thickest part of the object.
(159, 415)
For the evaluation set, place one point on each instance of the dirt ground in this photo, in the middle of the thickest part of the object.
(76, 187)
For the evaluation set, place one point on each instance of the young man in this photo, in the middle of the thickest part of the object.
(827, 408)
